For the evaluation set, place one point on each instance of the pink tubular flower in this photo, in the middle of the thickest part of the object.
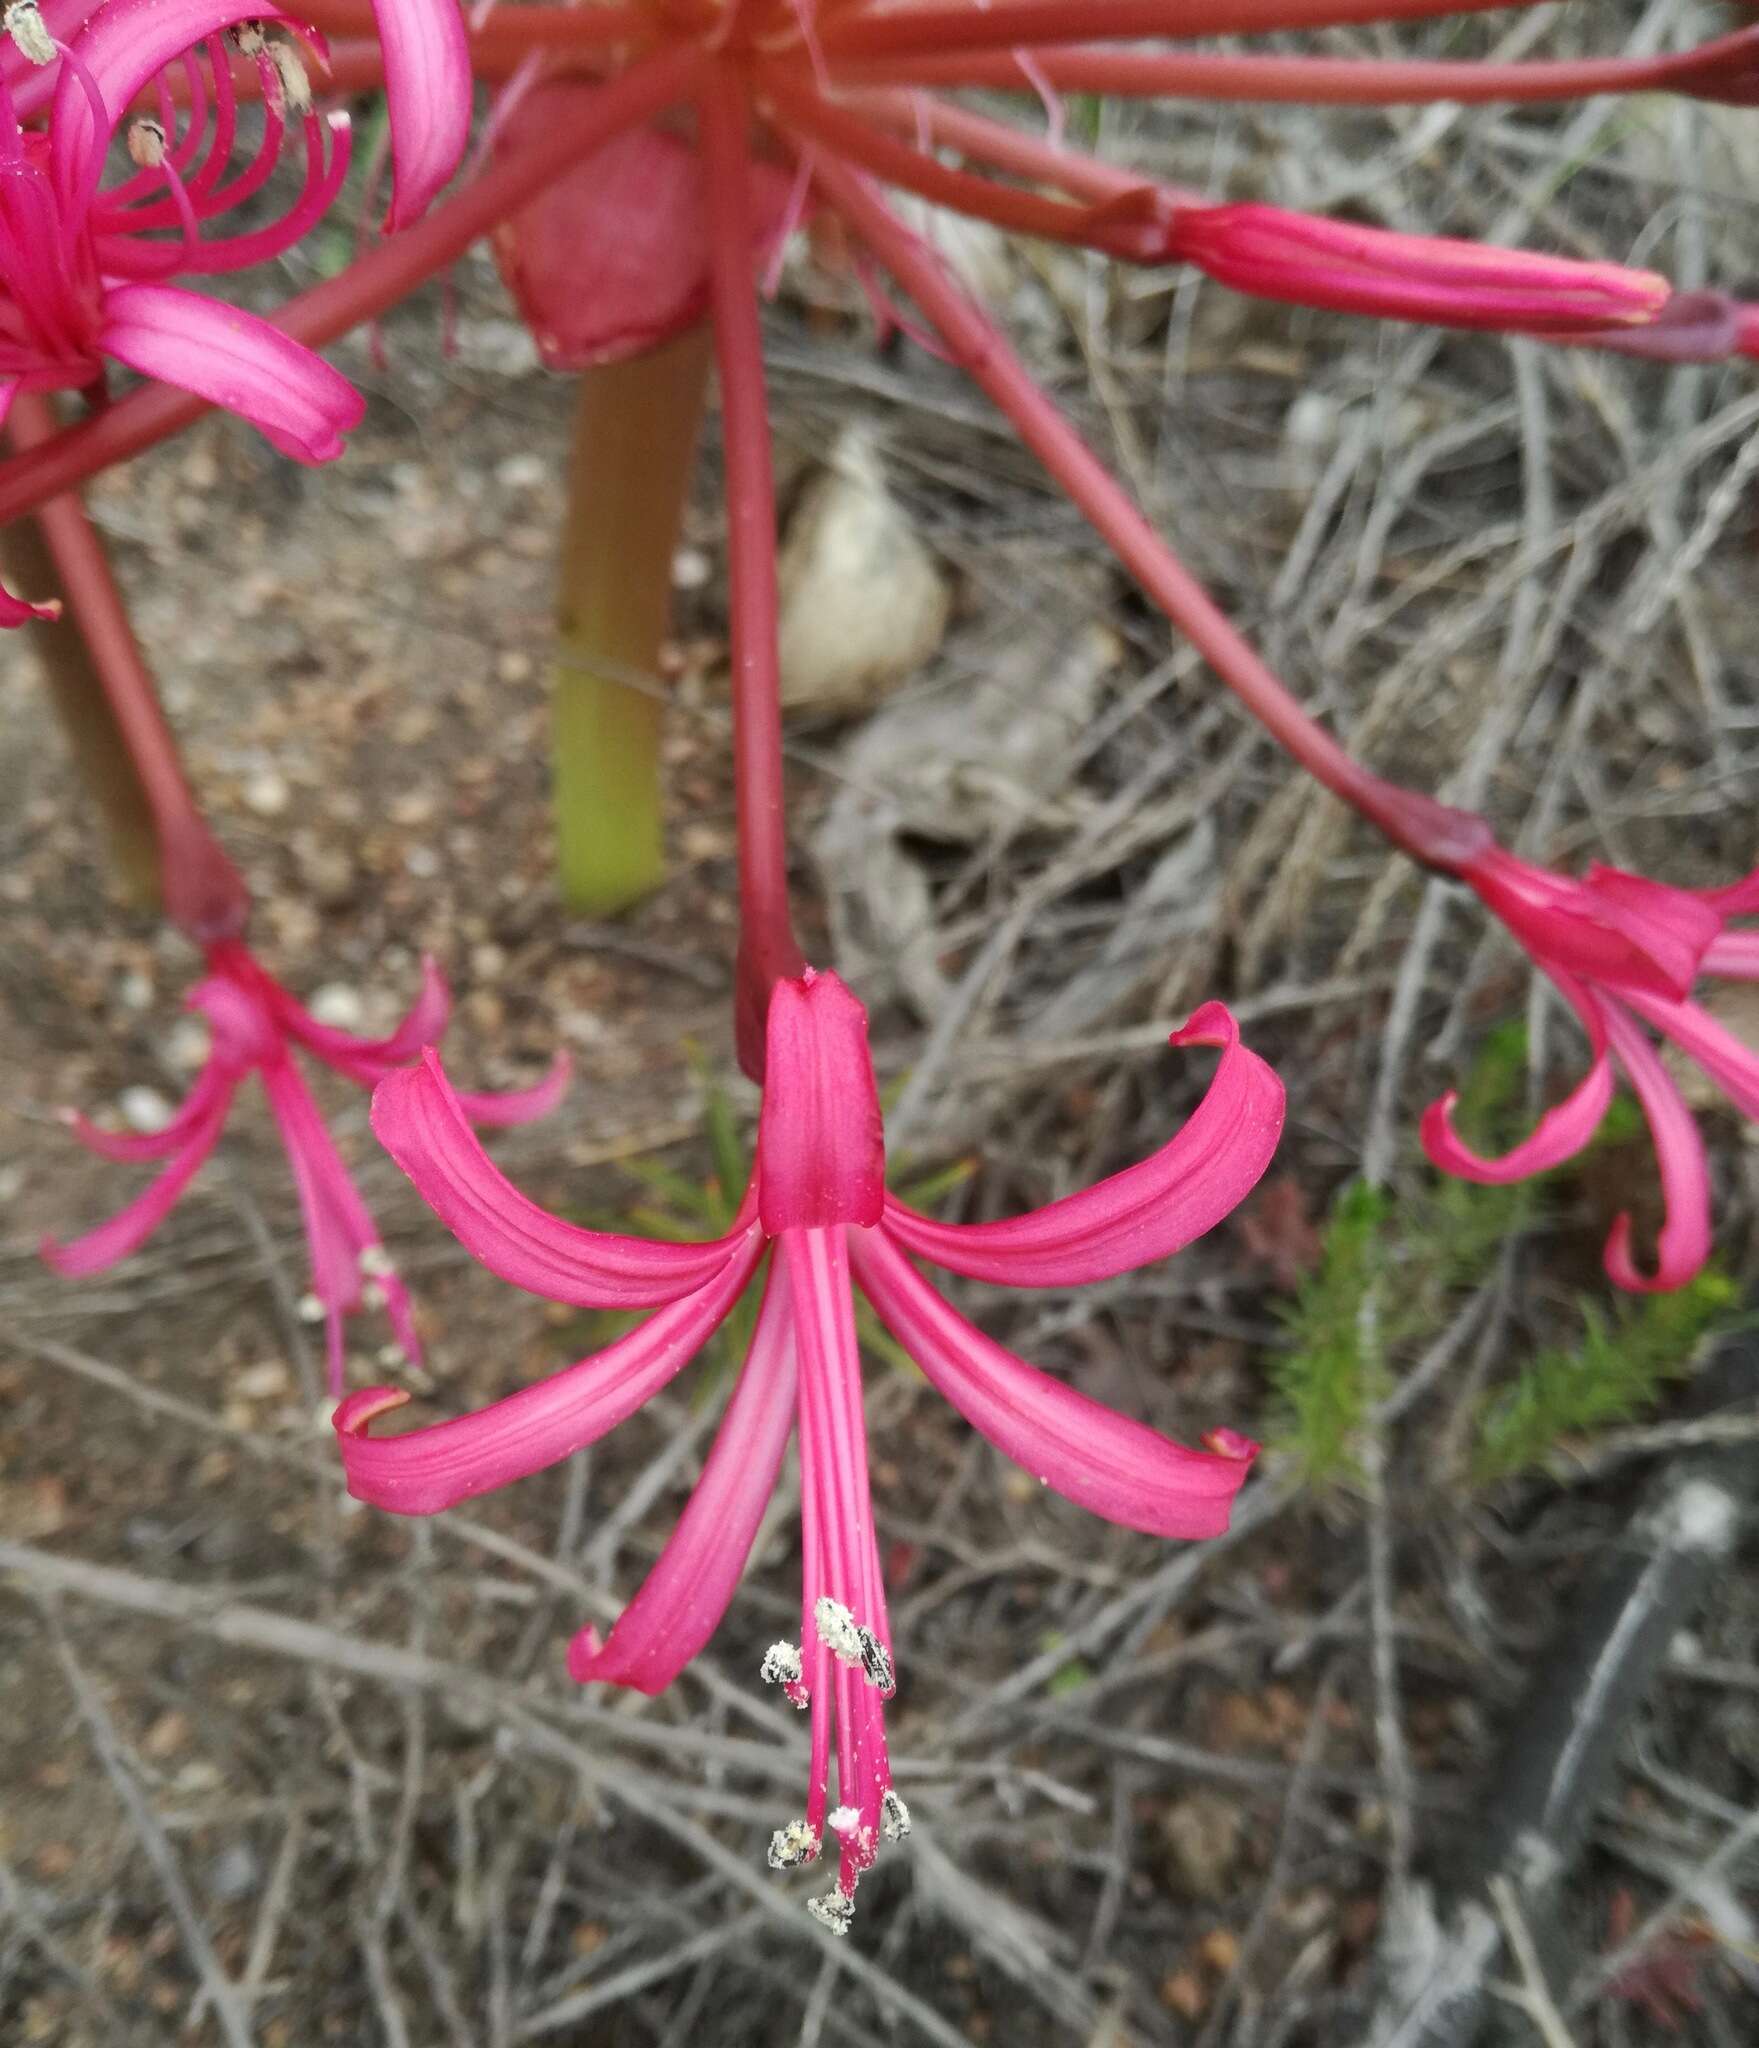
(818, 1196)
(1623, 951)
(255, 1025)
(82, 269)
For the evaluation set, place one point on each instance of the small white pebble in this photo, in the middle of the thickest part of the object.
(267, 795)
(339, 1006)
(690, 569)
(522, 472)
(186, 1044)
(144, 1110)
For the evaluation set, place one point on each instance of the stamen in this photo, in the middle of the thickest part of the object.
(146, 143)
(373, 1295)
(894, 1816)
(375, 1262)
(782, 1666)
(843, 1820)
(248, 37)
(876, 1662)
(836, 1910)
(792, 1846)
(310, 1309)
(291, 72)
(23, 22)
(837, 1630)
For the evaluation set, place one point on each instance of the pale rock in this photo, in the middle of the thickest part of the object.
(863, 602)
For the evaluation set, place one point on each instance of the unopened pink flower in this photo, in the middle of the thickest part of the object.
(256, 1026)
(82, 269)
(817, 1209)
(1347, 267)
(1623, 952)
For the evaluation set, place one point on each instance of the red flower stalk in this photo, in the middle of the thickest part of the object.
(256, 1024)
(817, 1210)
(1624, 952)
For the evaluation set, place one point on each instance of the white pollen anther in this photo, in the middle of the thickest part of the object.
(295, 86)
(843, 1820)
(876, 1662)
(23, 20)
(836, 1910)
(248, 37)
(310, 1309)
(146, 143)
(781, 1665)
(372, 1295)
(836, 1629)
(375, 1262)
(792, 1846)
(894, 1816)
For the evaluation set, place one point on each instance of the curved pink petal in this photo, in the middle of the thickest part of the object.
(1146, 1212)
(127, 1148)
(1102, 1461)
(130, 1228)
(233, 359)
(821, 1154)
(497, 1109)
(435, 1468)
(683, 1598)
(20, 611)
(1560, 1133)
(1684, 1241)
(427, 94)
(369, 1060)
(1732, 1065)
(422, 1124)
(1734, 955)
(338, 1224)
(1735, 899)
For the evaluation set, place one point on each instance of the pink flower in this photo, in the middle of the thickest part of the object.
(818, 1196)
(1623, 951)
(82, 269)
(255, 1025)
(1346, 267)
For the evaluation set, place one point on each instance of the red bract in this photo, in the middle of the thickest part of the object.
(1624, 951)
(613, 257)
(818, 1210)
(256, 1025)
